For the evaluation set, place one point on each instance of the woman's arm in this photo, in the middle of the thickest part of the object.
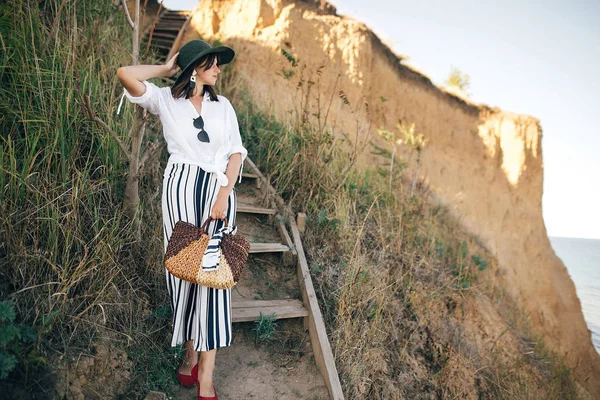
(233, 168)
(132, 76)
(232, 171)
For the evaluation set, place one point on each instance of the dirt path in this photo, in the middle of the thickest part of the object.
(247, 371)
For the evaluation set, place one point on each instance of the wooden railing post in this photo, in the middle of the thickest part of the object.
(301, 222)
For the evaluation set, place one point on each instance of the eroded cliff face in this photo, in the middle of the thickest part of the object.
(485, 164)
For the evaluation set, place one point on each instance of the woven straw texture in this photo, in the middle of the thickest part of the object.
(221, 278)
(235, 249)
(186, 263)
(183, 234)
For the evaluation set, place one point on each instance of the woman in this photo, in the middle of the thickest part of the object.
(206, 157)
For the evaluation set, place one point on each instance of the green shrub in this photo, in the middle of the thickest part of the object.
(480, 262)
(14, 339)
(264, 327)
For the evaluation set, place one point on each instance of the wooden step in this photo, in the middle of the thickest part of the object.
(169, 24)
(162, 42)
(176, 12)
(170, 35)
(173, 29)
(248, 209)
(268, 248)
(174, 15)
(162, 35)
(157, 37)
(159, 28)
(249, 310)
(175, 19)
(160, 46)
(168, 28)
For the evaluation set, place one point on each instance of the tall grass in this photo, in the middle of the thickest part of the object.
(66, 256)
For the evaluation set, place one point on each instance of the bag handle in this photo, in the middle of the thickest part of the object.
(204, 227)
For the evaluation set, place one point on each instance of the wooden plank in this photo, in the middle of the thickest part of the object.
(301, 222)
(173, 17)
(237, 303)
(170, 27)
(170, 18)
(173, 28)
(284, 233)
(161, 36)
(167, 21)
(162, 41)
(170, 33)
(245, 208)
(289, 257)
(281, 312)
(177, 12)
(316, 326)
(159, 28)
(174, 21)
(267, 248)
(160, 46)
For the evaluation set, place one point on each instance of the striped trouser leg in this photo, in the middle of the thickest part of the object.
(200, 313)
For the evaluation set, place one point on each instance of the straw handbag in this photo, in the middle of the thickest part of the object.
(187, 246)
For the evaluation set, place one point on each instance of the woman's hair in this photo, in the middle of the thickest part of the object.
(183, 90)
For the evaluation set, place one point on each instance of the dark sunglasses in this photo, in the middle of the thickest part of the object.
(202, 135)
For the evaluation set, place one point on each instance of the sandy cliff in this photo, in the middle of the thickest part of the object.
(485, 164)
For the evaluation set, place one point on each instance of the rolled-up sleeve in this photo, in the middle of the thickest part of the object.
(234, 137)
(151, 99)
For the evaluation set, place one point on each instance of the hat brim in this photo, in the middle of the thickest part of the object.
(226, 55)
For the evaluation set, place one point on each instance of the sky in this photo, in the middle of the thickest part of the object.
(540, 58)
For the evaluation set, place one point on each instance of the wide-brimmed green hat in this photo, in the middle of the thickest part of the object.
(194, 50)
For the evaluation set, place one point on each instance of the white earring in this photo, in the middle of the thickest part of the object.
(193, 80)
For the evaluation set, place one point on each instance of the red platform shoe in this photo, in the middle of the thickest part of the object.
(188, 380)
(215, 397)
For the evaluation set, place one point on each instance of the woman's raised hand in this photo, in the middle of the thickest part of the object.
(172, 66)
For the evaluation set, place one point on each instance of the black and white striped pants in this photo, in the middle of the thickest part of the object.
(200, 313)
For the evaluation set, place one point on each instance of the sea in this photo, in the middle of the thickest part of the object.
(582, 259)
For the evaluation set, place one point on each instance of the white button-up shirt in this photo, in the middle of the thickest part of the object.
(177, 117)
